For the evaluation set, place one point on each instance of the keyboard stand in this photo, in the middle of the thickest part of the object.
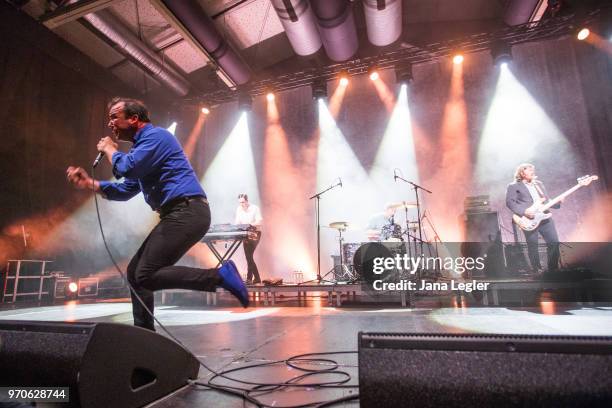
(234, 244)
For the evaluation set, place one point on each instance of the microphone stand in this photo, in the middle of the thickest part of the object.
(416, 193)
(317, 198)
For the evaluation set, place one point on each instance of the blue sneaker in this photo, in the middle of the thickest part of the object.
(232, 282)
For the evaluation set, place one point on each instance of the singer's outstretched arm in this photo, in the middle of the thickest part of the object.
(81, 180)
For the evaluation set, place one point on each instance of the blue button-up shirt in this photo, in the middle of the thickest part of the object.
(155, 165)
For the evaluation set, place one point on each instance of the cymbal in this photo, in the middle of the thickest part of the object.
(403, 204)
(339, 225)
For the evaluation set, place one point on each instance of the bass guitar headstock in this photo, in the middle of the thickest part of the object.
(586, 180)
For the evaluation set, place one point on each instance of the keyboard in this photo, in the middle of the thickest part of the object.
(230, 232)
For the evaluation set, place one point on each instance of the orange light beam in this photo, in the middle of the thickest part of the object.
(285, 243)
(599, 42)
(335, 102)
(194, 135)
(384, 93)
(454, 176)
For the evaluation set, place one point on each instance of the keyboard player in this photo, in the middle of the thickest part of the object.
(248, 213)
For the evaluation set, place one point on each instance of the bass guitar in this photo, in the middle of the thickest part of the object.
(540, 209)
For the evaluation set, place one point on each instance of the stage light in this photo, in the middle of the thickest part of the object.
(344, 81)
(245, 102)
(373, 74)
(205, 110)
(458, 59)
(73, 287)
(403, 74)
(501, 52)
(319, 89)
(583, 34)
(270, 96)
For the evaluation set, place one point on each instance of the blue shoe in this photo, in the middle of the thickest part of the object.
(232, 282)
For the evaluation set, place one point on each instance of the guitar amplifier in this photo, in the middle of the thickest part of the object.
(477, 204)
(483, 239)
(482, 227)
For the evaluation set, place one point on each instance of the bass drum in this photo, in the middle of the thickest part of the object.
(363, 262)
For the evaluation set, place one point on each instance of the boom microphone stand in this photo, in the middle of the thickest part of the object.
(317, 198)
(416, 193)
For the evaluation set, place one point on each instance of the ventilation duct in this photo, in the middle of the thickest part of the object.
(337, 28)
(383, 20)
(202, 28)
(109, 26)
(299, 22)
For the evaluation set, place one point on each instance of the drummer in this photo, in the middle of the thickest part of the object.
(382, 222)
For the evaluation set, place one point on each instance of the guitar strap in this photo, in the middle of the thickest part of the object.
(539, 189)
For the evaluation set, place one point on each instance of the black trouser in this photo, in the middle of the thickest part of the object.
(249, 250)
(549, 233)
(152, 268)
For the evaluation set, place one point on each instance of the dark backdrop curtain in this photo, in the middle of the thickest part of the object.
(50, 117)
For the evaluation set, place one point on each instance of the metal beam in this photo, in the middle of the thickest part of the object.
(74, 11)
(184, 32)
(539, 11)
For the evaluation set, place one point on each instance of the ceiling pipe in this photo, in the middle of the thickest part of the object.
(523, 11)
(299, 22)
(109, 26)
(383, 21)
(201, 27)
(336, 25)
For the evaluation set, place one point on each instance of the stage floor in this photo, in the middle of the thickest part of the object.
(227, 337)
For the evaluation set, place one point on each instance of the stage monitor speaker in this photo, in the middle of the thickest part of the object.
(103, 364)
(477, 370)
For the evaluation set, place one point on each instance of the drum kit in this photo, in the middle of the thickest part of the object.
(392, 240)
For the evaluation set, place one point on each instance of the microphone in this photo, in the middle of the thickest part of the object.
(98, 158)
(339, 182)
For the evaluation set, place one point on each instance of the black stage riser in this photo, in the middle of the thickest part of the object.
(104, 364)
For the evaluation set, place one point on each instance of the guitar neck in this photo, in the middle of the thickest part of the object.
(560, 197)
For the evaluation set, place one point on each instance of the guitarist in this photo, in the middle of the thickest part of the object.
(523, 193)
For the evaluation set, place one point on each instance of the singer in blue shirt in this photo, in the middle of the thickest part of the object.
(157, 166)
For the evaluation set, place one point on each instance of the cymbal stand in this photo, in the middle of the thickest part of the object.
(408, 235)
(436, 239)
(344, 270)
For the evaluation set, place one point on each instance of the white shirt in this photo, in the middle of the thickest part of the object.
(533, 190)
(251, 215)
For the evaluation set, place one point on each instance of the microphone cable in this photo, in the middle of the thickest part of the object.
(243, 392)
